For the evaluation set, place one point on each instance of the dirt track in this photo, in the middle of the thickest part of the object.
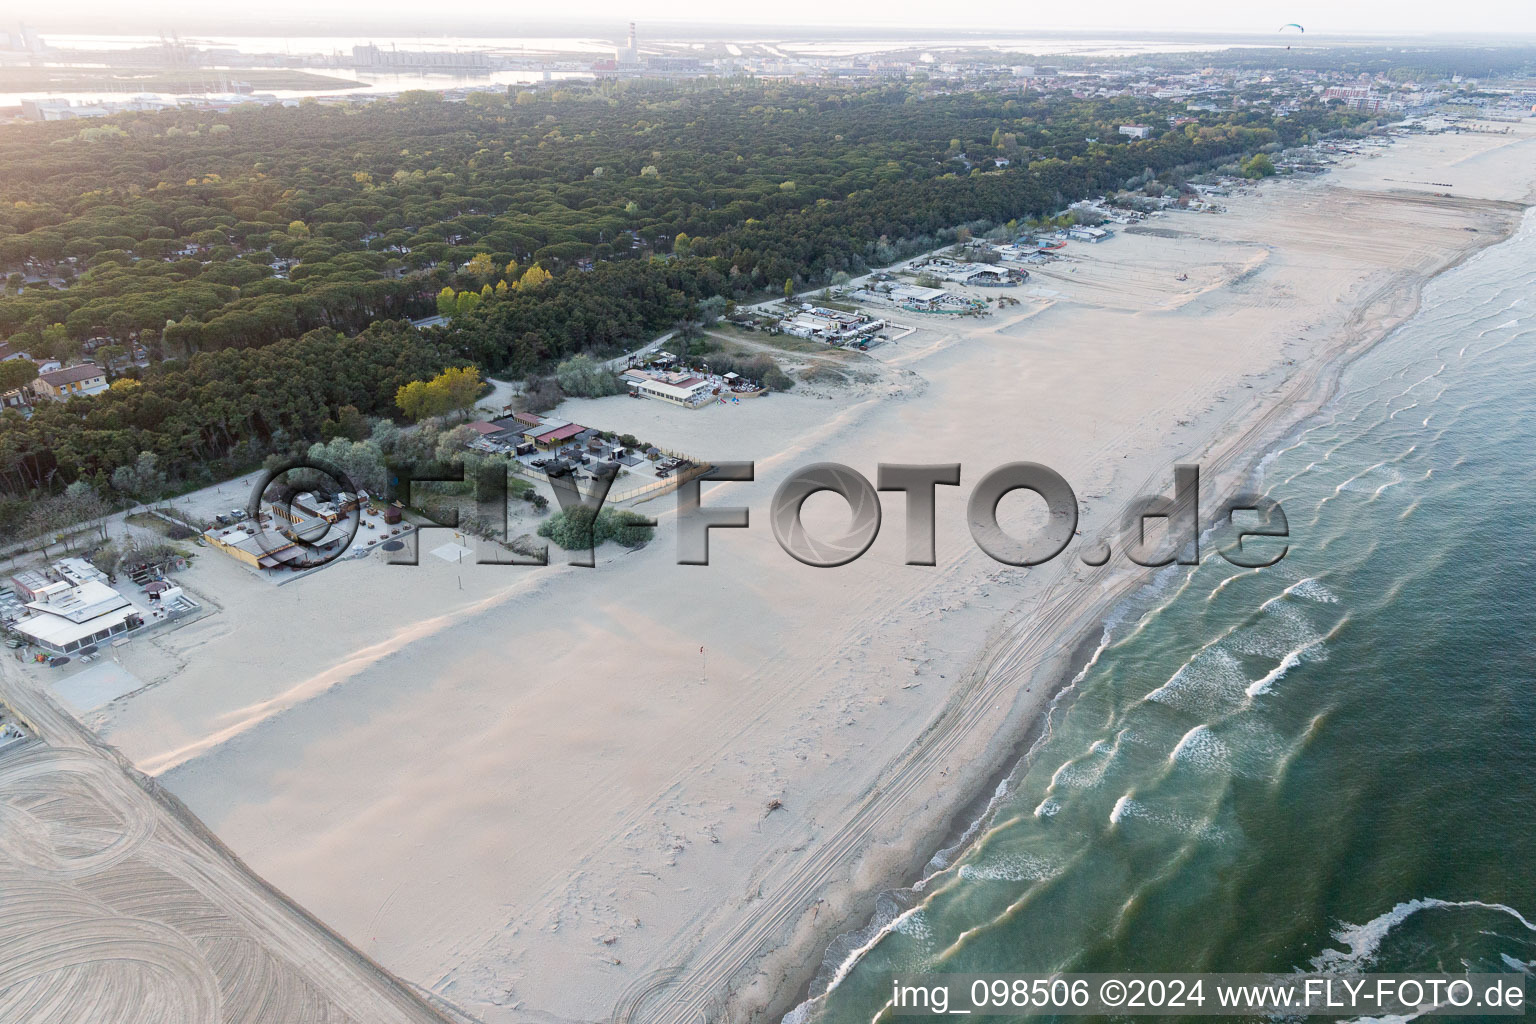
(120, 907)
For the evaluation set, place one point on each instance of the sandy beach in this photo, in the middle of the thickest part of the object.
(525, 790)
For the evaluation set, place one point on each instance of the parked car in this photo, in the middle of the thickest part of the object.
(57, 660)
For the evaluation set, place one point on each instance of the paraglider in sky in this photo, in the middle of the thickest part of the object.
(1290, 25)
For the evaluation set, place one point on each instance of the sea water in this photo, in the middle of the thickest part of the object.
(1329, 764)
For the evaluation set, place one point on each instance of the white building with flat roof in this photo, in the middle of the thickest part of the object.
(71, 606)
(675, 387)
(918, 295)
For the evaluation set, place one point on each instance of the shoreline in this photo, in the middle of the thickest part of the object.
(1242, 452)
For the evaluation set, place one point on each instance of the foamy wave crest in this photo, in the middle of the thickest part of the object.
(1523, 966)
(1283, 630)
(1087, 771)
(1274, 675)
(800, 1014)
(914, 926)
(1507, 323)
(1126, 808)
(945, 857)
(1010, 868)
(1209, 682)
(1313, 590)
(845, 951)
(1364, 940)
(1376, 479)
(1306, 646)
(1228, 579)
(1201, 749)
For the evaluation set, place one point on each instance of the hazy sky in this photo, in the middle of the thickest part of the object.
(1013, 17)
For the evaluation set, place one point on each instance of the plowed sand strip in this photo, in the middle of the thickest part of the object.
(120, 907)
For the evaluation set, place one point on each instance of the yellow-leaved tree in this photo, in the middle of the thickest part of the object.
(536, 277)
(455, 389)
(481, 267)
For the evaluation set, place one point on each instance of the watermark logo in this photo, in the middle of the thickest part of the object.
(307, 506)
(301, 514)
(1237, 530)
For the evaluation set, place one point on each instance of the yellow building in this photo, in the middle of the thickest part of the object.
(85, 379)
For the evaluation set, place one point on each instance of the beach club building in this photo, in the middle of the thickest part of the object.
(676, 387)
(255, 545)
(300, 513)
(271, 541)
(917, 297)
(486, 429)
(1084, 233)
(70, 606)
(833, 325)
(975, 275)
(552, 433)
(263, 548)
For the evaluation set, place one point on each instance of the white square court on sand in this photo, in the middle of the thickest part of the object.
(100, 684)
(452, 552)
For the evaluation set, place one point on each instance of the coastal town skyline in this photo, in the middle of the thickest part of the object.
(1374, 18)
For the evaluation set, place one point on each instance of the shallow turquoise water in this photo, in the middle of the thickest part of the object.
(1326, 764)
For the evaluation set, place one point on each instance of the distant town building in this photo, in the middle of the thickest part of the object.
(629, 53)
(26, 40)
(672, 64)
(59, 110)
(371, 56)
(1135, 131)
